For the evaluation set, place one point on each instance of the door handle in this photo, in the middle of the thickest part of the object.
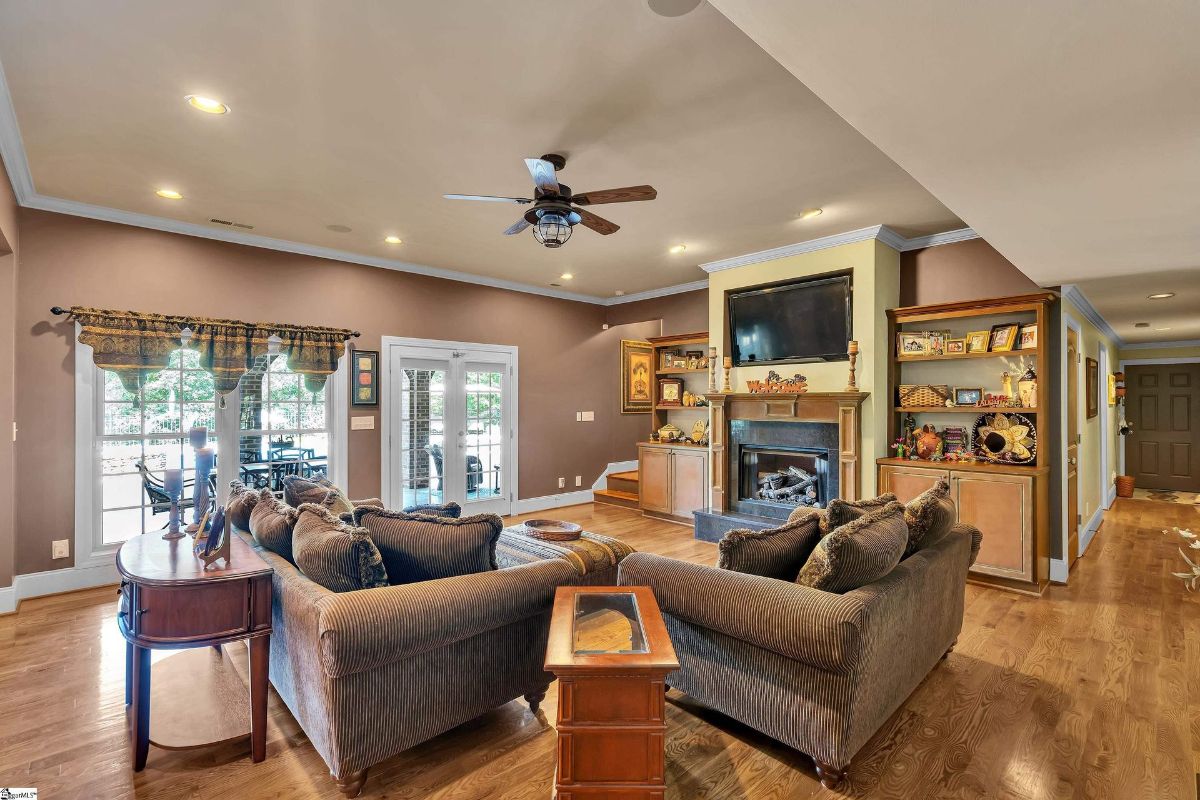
(1072, 461)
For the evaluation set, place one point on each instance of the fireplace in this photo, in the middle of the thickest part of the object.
(786, 476)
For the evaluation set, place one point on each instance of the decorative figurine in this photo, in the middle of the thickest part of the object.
(173, 486)
(929, 443)
(852, 350)
(1027, 389)
(1006, 388)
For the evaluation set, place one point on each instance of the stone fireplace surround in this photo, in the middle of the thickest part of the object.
(816, 439)
(838, 430)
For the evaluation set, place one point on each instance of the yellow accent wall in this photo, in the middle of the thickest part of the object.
(876, 277)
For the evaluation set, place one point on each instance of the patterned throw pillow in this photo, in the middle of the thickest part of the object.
(338, 556)
(773, 552)
(241, 503)
(930, 516)
(298, 490)
(450, 509)
(271, 523)
(422, 547)
(842, 511)
(859, 552)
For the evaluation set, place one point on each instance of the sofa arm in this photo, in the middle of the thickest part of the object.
(818, 628)
(976, 535)
(368, 628)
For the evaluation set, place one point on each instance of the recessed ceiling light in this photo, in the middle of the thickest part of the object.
(812, 212)
(679, 248)
(1141, 324)
(170, 194)
(339, 228)
(206, 104)
(566, 276)
(1162, 329)
(393, 240)
(1160, 296)
(619, 293)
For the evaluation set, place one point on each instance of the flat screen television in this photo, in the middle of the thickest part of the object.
(792, 323)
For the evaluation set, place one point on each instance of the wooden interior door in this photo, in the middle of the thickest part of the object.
(1163, 404)
(1072, 466)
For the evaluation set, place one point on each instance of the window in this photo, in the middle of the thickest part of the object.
(271, 421)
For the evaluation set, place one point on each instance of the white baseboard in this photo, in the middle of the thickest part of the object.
(1058, 570)
(8, 600)
(1089, 531)
(1111, 498)
(615, 466)
(57, 581)
(529, 504)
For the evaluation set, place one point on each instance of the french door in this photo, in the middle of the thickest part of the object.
(449, 417)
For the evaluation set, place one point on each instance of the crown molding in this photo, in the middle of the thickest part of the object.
(650, 294)
(1073, 293)
(935, 239)
(12, 147)
(1161, 345)
(799, 248)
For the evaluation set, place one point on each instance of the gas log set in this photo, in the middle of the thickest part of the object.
(792, 485)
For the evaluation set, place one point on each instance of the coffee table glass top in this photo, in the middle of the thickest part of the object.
(607, 622)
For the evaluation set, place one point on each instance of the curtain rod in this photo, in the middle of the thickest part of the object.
(58, 311)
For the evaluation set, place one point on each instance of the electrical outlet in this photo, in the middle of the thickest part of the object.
(562, 483)
(60, 548)
(579, 480)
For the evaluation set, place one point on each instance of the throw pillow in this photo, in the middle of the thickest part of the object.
(241, 502)
(422, 547)
(271, 523)
(338, 556)
(860, 552)
(930, 516)
(298, 490)
(444, 510)
(773, 552)
(842, 511)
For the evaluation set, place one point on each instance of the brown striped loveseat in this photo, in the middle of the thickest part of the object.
(818, 671)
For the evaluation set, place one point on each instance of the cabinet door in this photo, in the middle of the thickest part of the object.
(654, 479)
(689, 477)
(1001, 506)
(907, 482)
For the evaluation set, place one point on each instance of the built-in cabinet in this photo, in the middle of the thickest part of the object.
(672, 480)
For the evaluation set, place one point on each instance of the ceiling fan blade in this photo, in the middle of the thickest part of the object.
(488, 198)
(625, 195)
(516, 227)
(543, 175)
(598, 224)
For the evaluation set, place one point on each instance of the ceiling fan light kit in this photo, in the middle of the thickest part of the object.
(555, 209)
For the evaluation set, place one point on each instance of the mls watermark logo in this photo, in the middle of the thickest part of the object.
(18, 794)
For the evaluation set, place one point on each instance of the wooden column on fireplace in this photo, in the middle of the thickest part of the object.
(841, 408)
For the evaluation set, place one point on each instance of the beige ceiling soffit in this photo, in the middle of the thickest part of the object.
(1073, 293)
(1161, 345)
(935, 239)
(650, 294)
(12, 148)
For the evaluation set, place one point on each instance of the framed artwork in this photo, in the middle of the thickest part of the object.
(1092, 377)
(670, 392)
(977, 341)
(364, 378)
(967, 397)
(937, 341)
(956, 347)
(1027, 339)
(1112, 389)
(637, 369)
(1004, 338)
(912, 344)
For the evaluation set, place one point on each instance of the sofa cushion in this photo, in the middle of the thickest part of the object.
(422, 547)
(859, 552)
(930, 516)
(241, 502)
(298, 490)
(450, 509)
(842, 511)
(271, 523)
(340, 557)
(774, 552)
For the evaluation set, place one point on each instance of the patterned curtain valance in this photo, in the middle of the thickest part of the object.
(135, 345)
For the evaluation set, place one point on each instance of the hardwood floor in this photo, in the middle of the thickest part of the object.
(1092, 691)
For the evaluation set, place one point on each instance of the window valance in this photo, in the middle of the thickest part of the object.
(136, 345)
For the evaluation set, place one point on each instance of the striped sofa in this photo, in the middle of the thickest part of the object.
(373, 672)
(818, 671)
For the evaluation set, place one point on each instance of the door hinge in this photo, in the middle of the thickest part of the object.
(1079, 438)
(1078, 520)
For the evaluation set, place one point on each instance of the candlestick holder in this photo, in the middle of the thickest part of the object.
(728, 365)
(712, 370)
(173, 486)
(205, 460)
(852, 350)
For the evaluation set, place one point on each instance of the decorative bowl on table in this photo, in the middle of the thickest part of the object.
(552, 530)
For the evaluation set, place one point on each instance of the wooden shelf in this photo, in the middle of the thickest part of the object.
(680, 408)
(676, 443)
(679, 371)
(966, 466)
(965, 409)
(958, 356)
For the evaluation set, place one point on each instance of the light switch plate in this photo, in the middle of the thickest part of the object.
(362, 423)
(588, 416)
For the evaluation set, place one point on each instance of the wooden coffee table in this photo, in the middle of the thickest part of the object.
(611, 652)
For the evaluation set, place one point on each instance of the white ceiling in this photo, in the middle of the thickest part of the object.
(1066, 133)
(364, 114)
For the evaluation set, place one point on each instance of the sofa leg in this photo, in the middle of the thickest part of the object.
(949, 649)
(830, 775)
(535, 699)
(351, 784)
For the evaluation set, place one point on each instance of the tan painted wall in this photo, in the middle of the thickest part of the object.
(970, 270)
(68, 260)
(1192, 351)
(8, 312)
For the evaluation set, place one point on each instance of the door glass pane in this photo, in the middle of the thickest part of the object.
(484, 439)
(422, 435)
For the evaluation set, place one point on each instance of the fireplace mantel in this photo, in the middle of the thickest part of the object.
(841, 408)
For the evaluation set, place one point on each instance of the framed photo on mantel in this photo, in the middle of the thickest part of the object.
(364, 378)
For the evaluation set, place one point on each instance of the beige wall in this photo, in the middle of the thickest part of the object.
(1187, 351)
(8, 311)
(970, 270)
(568, 363)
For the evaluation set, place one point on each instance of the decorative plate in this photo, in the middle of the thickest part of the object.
(1005, 438)
(552, 530)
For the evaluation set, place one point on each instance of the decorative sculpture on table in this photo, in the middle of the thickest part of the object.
(777, 384)
(173, 486)
(206, 459)
(212, 540)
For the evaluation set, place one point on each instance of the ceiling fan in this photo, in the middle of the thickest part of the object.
(555, 210)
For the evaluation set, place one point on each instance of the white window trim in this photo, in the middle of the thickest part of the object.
(87, 478)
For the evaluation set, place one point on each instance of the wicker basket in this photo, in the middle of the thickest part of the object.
(552, 530)
(1125, 486)
(921, 395)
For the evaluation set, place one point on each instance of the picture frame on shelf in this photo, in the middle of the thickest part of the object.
(912, 344)
(693, 359)
(956, 347)
(1003, 338)
(679, 361)
(667, 359)
(1027, 337)
(670, 392)
(1092, 379)
(968, 396)
(977, 341)
(954, 439)
(937, 342)
(364, 378)
(637, 379)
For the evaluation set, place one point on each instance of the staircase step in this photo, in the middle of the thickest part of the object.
(622, 482)
(631, 475)
(615, 497)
